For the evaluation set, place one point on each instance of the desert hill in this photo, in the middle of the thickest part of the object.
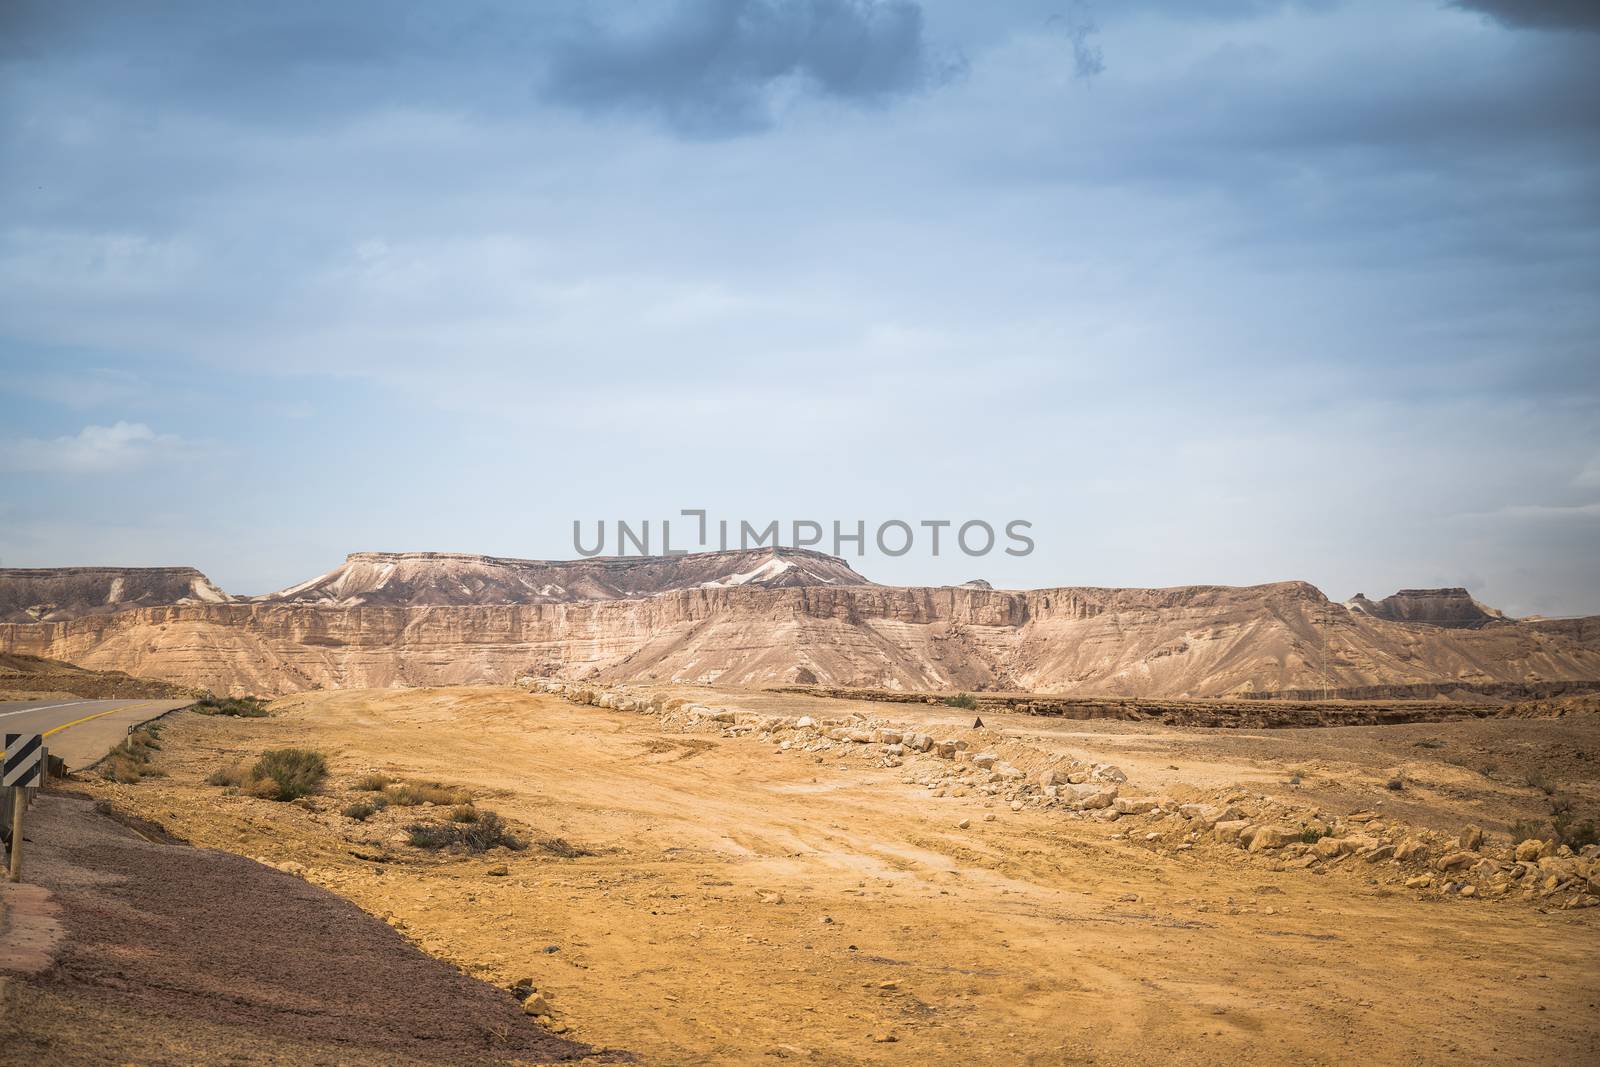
(54, 594)
(416, 579)
(1454, 608)
(785, 617)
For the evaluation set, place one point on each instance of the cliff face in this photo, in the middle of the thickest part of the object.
(1191, 641)
(53, 594)
(1451, 608)
(418, 579)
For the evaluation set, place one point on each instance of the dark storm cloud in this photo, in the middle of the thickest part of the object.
(1539, 14)
(709, 65)
(705, 66)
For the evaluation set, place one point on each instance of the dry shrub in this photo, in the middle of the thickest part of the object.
(239, 707)
(373, 783)
(130, 761)
(292, 772)
(560, 846)
(365, 808)
(410, 794)
(233, 775)
(464, 813)
(488, 831)
(280, 774)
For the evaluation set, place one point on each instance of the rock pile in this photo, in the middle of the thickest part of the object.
(983, 763)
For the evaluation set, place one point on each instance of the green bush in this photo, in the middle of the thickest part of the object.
(965, 701)
(288, 773)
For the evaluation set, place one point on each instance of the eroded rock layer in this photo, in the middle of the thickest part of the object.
(1192, 641)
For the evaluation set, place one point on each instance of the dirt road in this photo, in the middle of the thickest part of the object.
(741, 903)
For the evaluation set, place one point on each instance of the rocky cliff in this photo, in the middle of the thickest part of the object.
(418, 579)
(711, 623)
(1452, 608)
(54, 594)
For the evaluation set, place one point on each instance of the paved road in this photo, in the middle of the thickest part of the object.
(80, 731)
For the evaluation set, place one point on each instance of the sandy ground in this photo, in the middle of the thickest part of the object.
(742, 904)
(166, 954)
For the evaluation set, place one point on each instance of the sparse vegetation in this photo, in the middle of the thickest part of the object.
(560, 846)
(1541, 781)
(239, 707)
(280, 774)
(1523, 829)
(373, 783)
(130, 761)
(233, 775)
(410, 794)
(295, 772)
(487, 831)
(965, 701)
(1311, 835)
(364, 809)
(1575, 834)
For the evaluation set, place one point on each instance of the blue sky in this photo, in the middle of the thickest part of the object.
(1208, 292)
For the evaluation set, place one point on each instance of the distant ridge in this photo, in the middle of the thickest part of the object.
(772, 617)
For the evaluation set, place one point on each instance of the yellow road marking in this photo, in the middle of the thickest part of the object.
(96, 715)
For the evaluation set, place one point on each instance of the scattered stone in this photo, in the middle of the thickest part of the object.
(1529, 851)
(1411, 849)
(499, 872)
(963, 824)
(1471, 838)
(1262, 838)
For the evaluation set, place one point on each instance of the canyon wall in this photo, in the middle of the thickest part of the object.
(1191, 641)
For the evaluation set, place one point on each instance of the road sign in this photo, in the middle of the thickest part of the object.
(24, 760)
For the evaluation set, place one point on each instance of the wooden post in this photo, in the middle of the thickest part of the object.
(17, 804)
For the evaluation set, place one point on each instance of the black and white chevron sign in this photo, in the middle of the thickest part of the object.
(24, 763)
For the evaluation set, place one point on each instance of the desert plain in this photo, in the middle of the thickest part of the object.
(735, 877)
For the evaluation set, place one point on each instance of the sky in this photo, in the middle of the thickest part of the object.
(1207, 292)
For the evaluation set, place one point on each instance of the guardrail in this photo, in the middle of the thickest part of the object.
(25, 769)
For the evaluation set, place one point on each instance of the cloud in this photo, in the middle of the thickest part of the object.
(1541, 512)
(93, 450)
(1078, 27)
(1589, 477)
(712, 66)
(1538, 14)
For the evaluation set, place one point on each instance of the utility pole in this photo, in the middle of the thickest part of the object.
(1325, 613)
